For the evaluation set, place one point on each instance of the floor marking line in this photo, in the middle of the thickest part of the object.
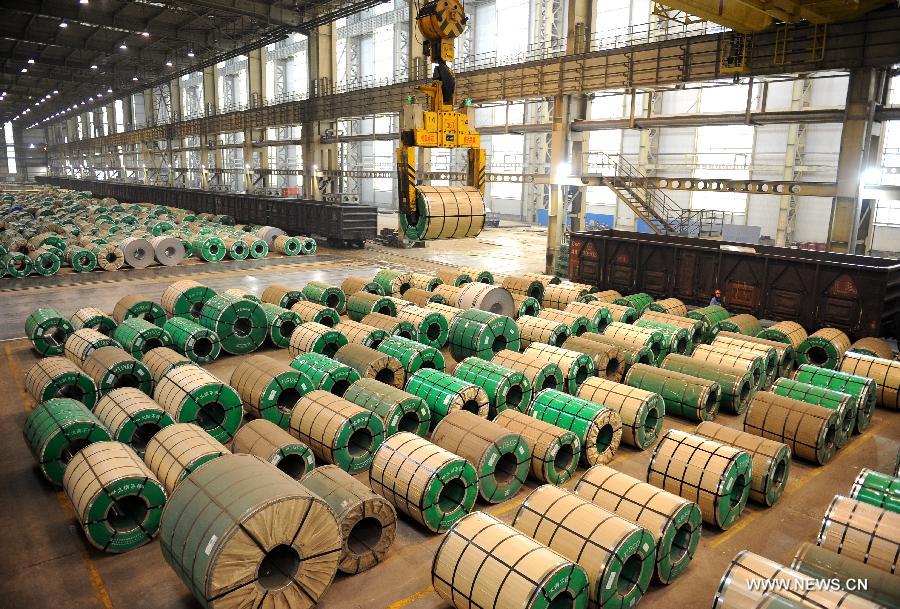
(94, 576)
(506, 507)
(403, 602)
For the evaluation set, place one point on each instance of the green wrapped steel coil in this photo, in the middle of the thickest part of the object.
(56, 377)
(505, 387)
(239, 323)
(686, 396)
(112, 367)
(190, 394)
(274, 445)
(400, 411)
(82, 259)
(823, 348)
(325, 295)
(135, 305)
(209, 249)
(844, 403)
(394, 283)
(313, 311)
(116, 498)
(710, 316)
(745, 324)
(45, 262)
(337, 430)
(94, 319)
(642, 412)
(639, 302)
(526, 306)
(325, 373)
(138, 336)
(188, 248)
(308, 246)
(876, 488)
(258, 248)
(199, 344)
(361, 304)
(17, 264)
(48, 330)
(431, 327)
(693, 326)
(132, 417)
(598, 428)
(576, 367)
(236, 249)
(310, 337)
(675, 339)
(482, 334)
(281, 295)
(860, 387)
(289, 246)
(268, 388)
(281, 323)
(444, 393)
(736, 386)
(56, 430)
(361, 333)
(412, 355)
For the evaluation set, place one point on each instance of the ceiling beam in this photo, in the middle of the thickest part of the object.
(261, 11)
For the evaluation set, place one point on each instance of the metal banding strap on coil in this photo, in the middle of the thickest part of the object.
(186, 298)
(576, 367)
(675, 523)
(686, 396)
(555, 452)
(432, 486)
(269, 388)
(138, 336)
(48, 330)
(480, 546)
(642, 412)
(56, 430)
(272, 444)
(861, 531)
(111, 368)
(444, 212)
(445, 393)
(540, 373)
(809, 430)
(844, 403)
(162, 359)
(368, 522)
(93, 318)
(267, 541)
(399, 410)
(712, 474)
(598, 428)
(57, 377)
(81, 343)
(177, 450)
(370, 363)
(131, 417)
(198, 343)
(192, 395)
(505, 387)
(325, 373)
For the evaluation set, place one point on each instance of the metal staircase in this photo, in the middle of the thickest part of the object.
(661, 213)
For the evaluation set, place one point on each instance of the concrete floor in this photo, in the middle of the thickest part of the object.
(47, 563)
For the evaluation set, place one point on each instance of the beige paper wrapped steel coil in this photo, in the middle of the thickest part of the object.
(609, 363)
(630, 354)
(392, 325)
(693, 326)
(132, 417)
(81, 343)
(885, 373)
(501, 458)
(360, 333)
(541, 373)
(368, 522)
(177, 450)
(525, 305)
(314, 312)
(555, 452)
(771, 361)
(421, 298)
(607, 296)
(92, 317)
(741, 588)
(808, 430)
(445, 212)
(431, 485)
(477, 274)
(112, 367)
(617, 555)
(56, 377)
(370, 363)
(745, 361)
(485, 297)
(864, 532)
(115, 496)
(771, 459)
(787, 359)
(191, 394)
(713, 475)
(281, 295)
(526, 285)
(621, 313)
(312, 337)
(541, 330)
(269, 388)
(560, 295)
(110, 257)
(272, 444)
(671, 306)
(424, 281)
(162, 359)
(789, 332)
(135, 305)
(577, 324)
(450, 313)
(642, 412)
(636, 336)
(453, 277)
(267, 541)
(484, 563)
(241, 293)
(449, 292)
(337, 430)
(596, 312)
(675, 523)
(823, 564)
(869, 345)
(576, 367)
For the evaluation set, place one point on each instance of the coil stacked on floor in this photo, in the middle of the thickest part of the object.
(688, 397)
(540, 373)
(560, 295)
(541, 330)
(190, 394)
(694, 327)
(239, 323)
(424, 281)
(843, 403)
(609, 362)
(274, 445)
(511, 569)
(862, 388)
(399, 410)
(421, 298)
(392, 325)
(337, 431)
(771, 460)
(326, 295)
(57, 377)
(873, 347)
(501, 458)
(555, 452)
(361, 334)
(824, 565)
(642, 412)
(56, 430)
(671, 306)
(186, 298)
(82, 259)
(131, 417)
(115, 496)
(263, 529)
(370, 363)
(598, 428)
(710, 316)
(431, 327)
(177, 450)
(741, 360)
(482, 334)
(135, 305)
(269, 388)
(280, 323)
(367, 521)
(577, 324)
(617, 555)
(138, 336)
(736, 387)
(807, 429)
(823, 348)
(713, 475)
(325, 373)
(576, 367)
(637, 337)
(312, 337)
(630, 353)
(431, 485)
(445, 393)
(48, 330)
(530, 286)
(674, 522)
(863, 532)
(93, 318)
(786, 358)
(885, 373)
(360, 304)
(598, 314)
(111, 368)
(505, 387)
(85, 341)
(878, 489)
(525, 305)
(788, 332)
(162, 359)
(674, 338)
(412, 355)
(281, 295)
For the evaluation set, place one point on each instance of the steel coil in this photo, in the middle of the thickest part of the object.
(81, 343)
(431, 327)
(641, 412)
(162, 359)
(878, 489)
(541, 330)
(236, 249)
(81, 259)
(186, 298)
(48, 330)
(576, 367)
(312, 337)
(280, 323)
(393, 282)
(873, 347)
(885, 373)
(843, 403)
(824, 348)
(177, 450)
(239, 323)
(135, 305)
(351, 285)
(131, 417)
(360, 304)
(621, 313)
(112, 368)
(444, 212)
(445, 393)
(745, 361)
(370, 363)
(209, 248)
(325, 373)
(599, 429)
(314, 312)
(743, 324)
(674, 339)
(269, 388)
(272, 444)
(555, 452)
(281, 295)
(735, 386)
(685, 396)
(94, 319)
(138, 252)
(412, 355)
(168, 251)
(694, 327)
(525, 285)
(788, 332)
(505, 387)
(240, 293)
(16, 264)
(57, 377)
(525, 305)
(485, 297)
(639, 302)
(362, 334)
(399, 410)
(326, 295)
(138, 336)
(637, 337)
(560, 295)
(808, 430)
(860, 387)
(421, 298)
(424, 282)
(863, 532)
(630, 354)
(598, 314)
(824, 565)
(577, 324)
(190, 394)
(670, 306)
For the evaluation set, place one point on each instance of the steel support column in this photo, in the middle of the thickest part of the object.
(322, 71)
(256, 87)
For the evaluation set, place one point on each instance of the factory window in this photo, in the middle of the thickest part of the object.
(10, 148)
(888, 213)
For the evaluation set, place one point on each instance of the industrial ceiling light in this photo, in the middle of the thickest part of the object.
(168, 62)
(93, 66)
(123, 46)
(30, 60)
(109, 90)
(134, 78)
(145, 34)
(63, 24)
(190, 53)
(55, 91)
(24, 70)
(83, 1)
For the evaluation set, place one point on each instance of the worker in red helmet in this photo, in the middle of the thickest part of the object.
(716, 300)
